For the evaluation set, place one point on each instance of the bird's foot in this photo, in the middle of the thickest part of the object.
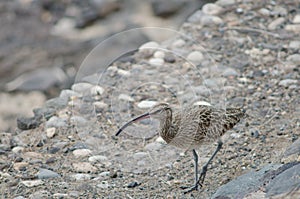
(190, 189)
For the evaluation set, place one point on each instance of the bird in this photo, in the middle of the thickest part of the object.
(191, 127)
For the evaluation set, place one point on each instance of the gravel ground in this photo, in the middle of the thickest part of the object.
(228, 54)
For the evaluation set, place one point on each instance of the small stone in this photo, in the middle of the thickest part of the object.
(19, 197)
(149, 45)
(146, 104)
(104, 174)
(98, 158)
(296, 19)
(178, 43)
(124, 73)
(156, 61)
(78, 120)
(46, 174)
(294, 44)
(84, 167)
(125, 98)
(287, 82)
(209, 20)
(97, 90)
(295, 58)
(169, 59)
(24, 123)
(20, 166)
(67, 94)
(159, 54)
(133, 184)
(230, 72)
(212, 9)
(60, 195)
(81, 176)
(264, 12)
(276, 23)
(82, 87)
(293, 27)
(50, 132)
(32, 183)
(18, 149)
(202, 103)
(79, 153)
(225, 2)
(140, 155)
(103, 185)
(100, 105)
(56, 103)
(195, 57)
(56, 122)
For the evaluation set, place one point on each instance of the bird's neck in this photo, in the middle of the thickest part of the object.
(165, 126)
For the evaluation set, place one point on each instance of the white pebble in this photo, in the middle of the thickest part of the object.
(100, 105)
(160, 140)
(81, 87)
(211, 9)
(125, 98)
(81, 153)
(98, 158)
(178, 43)
(50, 132)
(146, 104)
(296, 19)
(159, 54)
(32, 183)
(225, 2)
(18, 149)
(294, 44)
(123, 73)
(195, 57)
(81, 176)
(156, 61)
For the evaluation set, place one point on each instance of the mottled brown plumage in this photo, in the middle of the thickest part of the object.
(192, 127)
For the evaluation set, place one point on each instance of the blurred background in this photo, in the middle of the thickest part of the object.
(44, 42)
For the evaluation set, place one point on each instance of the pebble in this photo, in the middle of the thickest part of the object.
(125, 98)
(18, 149)
(160, 140)
(178, 43)
(159, 54)
(46, 174)
(81, 176)
(230, 72)
(264, 11)
(124, 73)
(100, 105)
(19, 197)
(67, 94)
(57, 103)
(20, 166)
(195, 57)
(295, 58)
(50, 132)
(98, 158)
(154, 146)
(78, 121)
(225, 2)
(79, 153)
(140, 155)
(56, 122)
(104, 174)
(276, 23)
(148, 45)
(24, 123)
(146, 104)
(287, 82)
(293, 27)
(84, 167)
(296, 19)
(103, 185)
(209, 20)
(82, 87)
(32, 183)
(156, 61)
(60, 195)
(212, 9)
(97, 90)
(294, 44)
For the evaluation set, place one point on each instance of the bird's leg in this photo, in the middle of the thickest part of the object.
(204, 168)
(195, 187)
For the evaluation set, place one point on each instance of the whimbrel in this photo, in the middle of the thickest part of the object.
(192, 127)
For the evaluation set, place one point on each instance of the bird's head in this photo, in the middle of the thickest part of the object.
(158, 112)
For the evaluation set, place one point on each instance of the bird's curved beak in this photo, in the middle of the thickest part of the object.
(140, 117)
